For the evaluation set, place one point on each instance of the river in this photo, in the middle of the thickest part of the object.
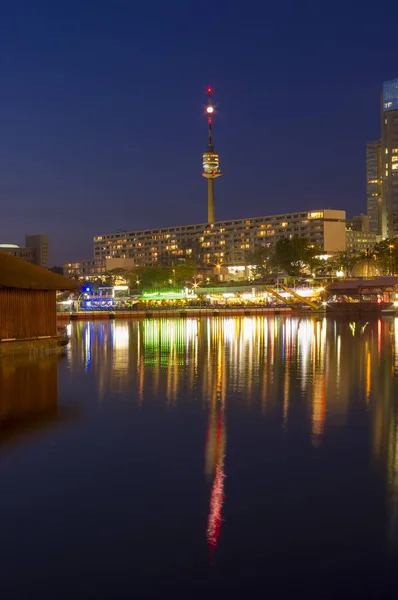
(196, 457)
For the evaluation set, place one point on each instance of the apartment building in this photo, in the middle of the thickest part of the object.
(225, 242)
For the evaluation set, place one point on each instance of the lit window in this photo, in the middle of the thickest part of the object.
(395, 167)
(315, 215)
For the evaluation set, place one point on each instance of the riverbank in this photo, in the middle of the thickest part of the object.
(177, 313)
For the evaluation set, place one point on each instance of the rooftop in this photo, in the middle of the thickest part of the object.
(16, 273)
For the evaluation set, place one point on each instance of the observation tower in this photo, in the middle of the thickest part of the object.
(211, 168)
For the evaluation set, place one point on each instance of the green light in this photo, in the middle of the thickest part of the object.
(164, 295)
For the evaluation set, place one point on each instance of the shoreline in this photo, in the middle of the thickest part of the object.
(181, 313)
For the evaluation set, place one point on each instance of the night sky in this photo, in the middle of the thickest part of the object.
(102, 122)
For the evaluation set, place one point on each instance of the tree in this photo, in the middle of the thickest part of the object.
(116, 276)
(57, 270)
(151, 276)
(294, 255)
(184, 271)
(342, 261)
(386, 253)
(259, 260)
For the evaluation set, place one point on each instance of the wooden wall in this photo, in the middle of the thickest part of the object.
(27, 313)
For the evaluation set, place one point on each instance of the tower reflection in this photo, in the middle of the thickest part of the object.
(304, 373)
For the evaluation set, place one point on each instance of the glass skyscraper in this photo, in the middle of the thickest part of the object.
(389, 155)
(382, 167)
(390, 95)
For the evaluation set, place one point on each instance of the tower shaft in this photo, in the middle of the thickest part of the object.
(210, 201)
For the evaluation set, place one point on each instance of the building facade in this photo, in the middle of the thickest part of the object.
(40, 247)
(91, 269)
(222, 242)
(36, 250)
(389, 152)
(374, 186)
(359, 238)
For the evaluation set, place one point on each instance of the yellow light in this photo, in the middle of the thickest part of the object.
(209, 110)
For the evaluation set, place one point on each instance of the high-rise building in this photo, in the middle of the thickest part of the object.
(373, 186)
(389, 158)
(35, 250)
(39, 243)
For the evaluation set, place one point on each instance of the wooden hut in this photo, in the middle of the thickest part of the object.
(28, 305)
(362, 295)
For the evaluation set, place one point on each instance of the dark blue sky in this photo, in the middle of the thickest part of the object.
(101, 111)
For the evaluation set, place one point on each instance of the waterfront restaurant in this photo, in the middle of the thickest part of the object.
(28, 306)
(379, 293)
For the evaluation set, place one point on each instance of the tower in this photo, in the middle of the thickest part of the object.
(210, 162)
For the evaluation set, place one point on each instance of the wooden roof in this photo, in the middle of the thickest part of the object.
(16, 273)
(363, 286)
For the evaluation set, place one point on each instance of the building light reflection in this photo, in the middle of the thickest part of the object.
(260, 362)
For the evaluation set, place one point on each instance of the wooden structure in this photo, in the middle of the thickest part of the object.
(362, 294)
(28, 300)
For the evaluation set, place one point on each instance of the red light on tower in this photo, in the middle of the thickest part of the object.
(209, 90)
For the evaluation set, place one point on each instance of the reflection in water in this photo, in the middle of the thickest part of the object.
(215, 452)
(28, 397)
(299, 371)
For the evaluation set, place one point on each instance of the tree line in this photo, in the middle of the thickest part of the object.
(297, 256)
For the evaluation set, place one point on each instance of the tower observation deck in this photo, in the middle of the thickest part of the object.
(211, 168)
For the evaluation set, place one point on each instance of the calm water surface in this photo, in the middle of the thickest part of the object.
(250, 456)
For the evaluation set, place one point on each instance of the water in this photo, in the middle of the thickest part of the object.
(254, 456)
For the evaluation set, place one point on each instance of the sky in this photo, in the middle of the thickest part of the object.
(102, 122)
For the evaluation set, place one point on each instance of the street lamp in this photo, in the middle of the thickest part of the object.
(391, 246)
(218, 266)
